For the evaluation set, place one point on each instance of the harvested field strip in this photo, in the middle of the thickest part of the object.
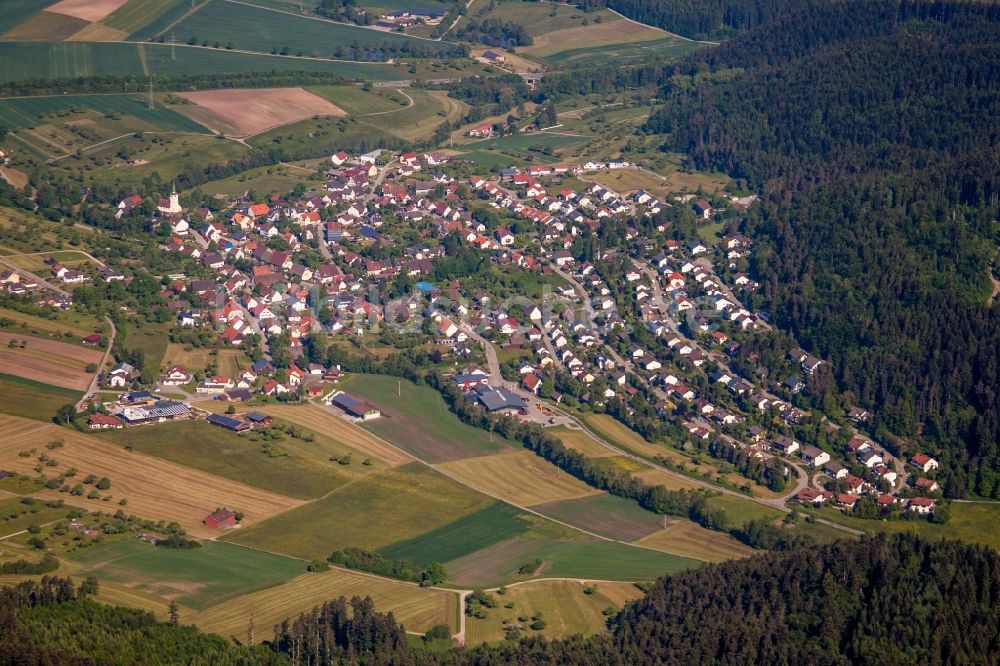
(580, 441)
(320, 420)
(247, 112)
(155, 489)
(607, 515)
(493, 524)
(417, 608)
(117, 594)
(88, 10)
(499, 563)
(44, 368)
(33, 400)
(618, 435)
(46, 27)
(240, 457)
(370, 513)
(47, 361)
(98, 32)
(420, 422)
(584, 36)
(13, 426)
(683, 537)
(567, 610)
(197, 577)
(519, 477)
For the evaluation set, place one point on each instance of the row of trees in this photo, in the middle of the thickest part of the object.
(366, 560)
(113, 83)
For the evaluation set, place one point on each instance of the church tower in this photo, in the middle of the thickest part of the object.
(175, 199)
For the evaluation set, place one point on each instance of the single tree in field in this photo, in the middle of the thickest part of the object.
(174, 615)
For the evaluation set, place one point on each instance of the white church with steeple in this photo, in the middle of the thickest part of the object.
(170, 206)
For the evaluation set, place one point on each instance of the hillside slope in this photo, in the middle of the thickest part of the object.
(900, 600)
(871, 130)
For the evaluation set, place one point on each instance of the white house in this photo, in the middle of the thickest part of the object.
(176, 376)
(924, 462)
(814, 456)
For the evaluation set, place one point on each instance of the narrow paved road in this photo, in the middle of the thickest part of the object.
(383, 172)
(45, 283)
(92, 389)
(255, 327)
(531, 399)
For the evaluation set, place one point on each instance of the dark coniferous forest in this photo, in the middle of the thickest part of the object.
(871, 130)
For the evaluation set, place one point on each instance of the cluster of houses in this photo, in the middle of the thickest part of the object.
(280, 293)
(142, 407)
(259, 378)
(138, 408)
(407, 18)
(263, 287)
(855, 487)
(12, 282)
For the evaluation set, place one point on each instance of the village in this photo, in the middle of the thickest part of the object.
(648, 330)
